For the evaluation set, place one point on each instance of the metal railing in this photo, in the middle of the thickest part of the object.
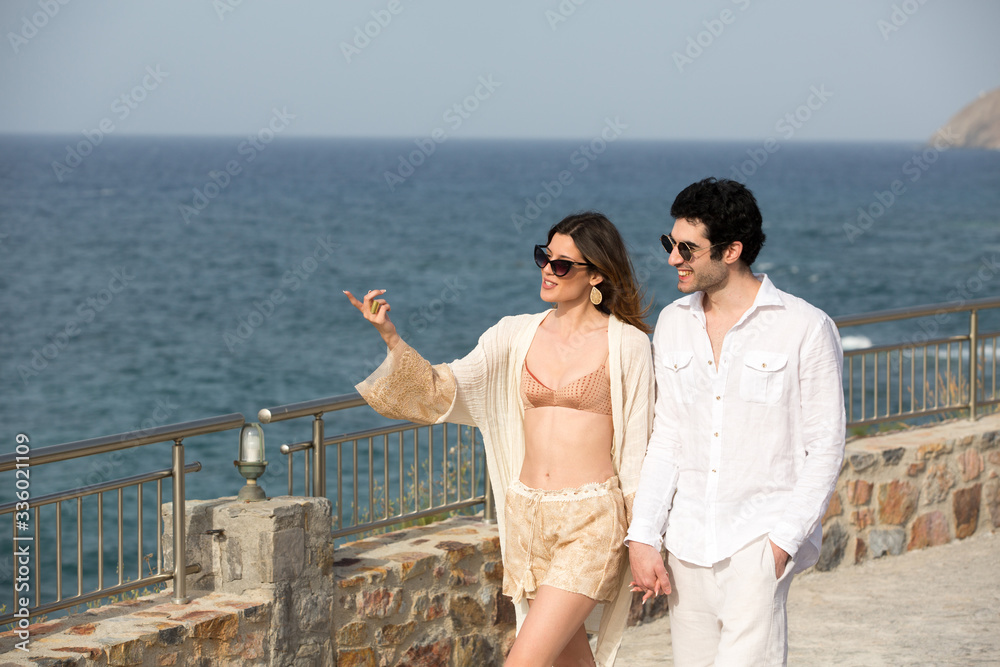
(952, 374)
(28, 517)
(433, 488)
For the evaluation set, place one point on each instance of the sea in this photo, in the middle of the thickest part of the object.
(147, 281)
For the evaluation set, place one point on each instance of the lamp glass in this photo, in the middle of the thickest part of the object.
(252, 444)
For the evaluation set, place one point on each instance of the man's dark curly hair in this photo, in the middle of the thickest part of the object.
(729, 213)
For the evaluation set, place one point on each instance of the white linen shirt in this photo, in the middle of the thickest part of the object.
(753, 447)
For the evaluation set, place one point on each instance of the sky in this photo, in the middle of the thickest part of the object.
(868, 70)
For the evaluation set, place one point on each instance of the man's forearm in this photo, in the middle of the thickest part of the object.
(651, 508)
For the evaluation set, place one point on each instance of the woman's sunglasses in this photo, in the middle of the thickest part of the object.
(684, 249)
(560, 267)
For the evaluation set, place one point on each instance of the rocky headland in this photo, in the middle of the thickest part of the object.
(975, 126)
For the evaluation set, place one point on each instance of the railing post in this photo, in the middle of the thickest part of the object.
(180, 554)
(319, 458)
(489, 511)
(973, 362)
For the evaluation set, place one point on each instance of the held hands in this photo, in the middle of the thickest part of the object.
(376, 311)
(648, 572)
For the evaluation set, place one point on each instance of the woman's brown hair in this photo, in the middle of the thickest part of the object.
(602, 246)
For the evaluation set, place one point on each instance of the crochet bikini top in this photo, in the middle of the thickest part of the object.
(591, 393)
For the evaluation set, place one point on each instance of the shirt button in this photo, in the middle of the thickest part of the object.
(763, 365)
(713, 469)
(709, 363)
(718, 398)
(716, 434)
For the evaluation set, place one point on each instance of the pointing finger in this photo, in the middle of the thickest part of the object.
(354, 301)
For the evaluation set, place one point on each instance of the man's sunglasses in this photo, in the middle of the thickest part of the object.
(685, 249)
(560, 267)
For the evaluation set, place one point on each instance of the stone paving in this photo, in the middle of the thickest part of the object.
(936, 607)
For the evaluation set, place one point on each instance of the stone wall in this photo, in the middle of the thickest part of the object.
(913, 489)
(423, 596)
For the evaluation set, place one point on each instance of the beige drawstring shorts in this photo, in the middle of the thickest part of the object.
(571, 539)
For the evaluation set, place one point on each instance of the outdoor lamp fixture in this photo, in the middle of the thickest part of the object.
(251, 464)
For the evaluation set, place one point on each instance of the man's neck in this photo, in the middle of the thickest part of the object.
(733, 297)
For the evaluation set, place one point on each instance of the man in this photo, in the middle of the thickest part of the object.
(747, 443)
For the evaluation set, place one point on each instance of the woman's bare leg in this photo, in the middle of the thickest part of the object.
(552, 632)
(577, 652)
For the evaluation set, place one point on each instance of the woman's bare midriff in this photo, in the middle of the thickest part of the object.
(565, 448)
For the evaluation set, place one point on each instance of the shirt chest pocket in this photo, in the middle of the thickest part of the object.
(763, 376)
(676, 376)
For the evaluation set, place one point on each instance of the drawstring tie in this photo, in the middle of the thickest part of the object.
(529, 584)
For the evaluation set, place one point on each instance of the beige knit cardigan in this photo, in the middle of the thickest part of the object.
(482, 390)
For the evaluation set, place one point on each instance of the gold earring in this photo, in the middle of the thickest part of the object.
(595, 296)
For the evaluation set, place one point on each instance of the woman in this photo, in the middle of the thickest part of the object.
(566, 460)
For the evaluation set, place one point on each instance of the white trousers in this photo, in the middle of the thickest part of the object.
(731, 614)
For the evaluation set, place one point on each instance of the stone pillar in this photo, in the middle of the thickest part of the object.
(281, 546)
